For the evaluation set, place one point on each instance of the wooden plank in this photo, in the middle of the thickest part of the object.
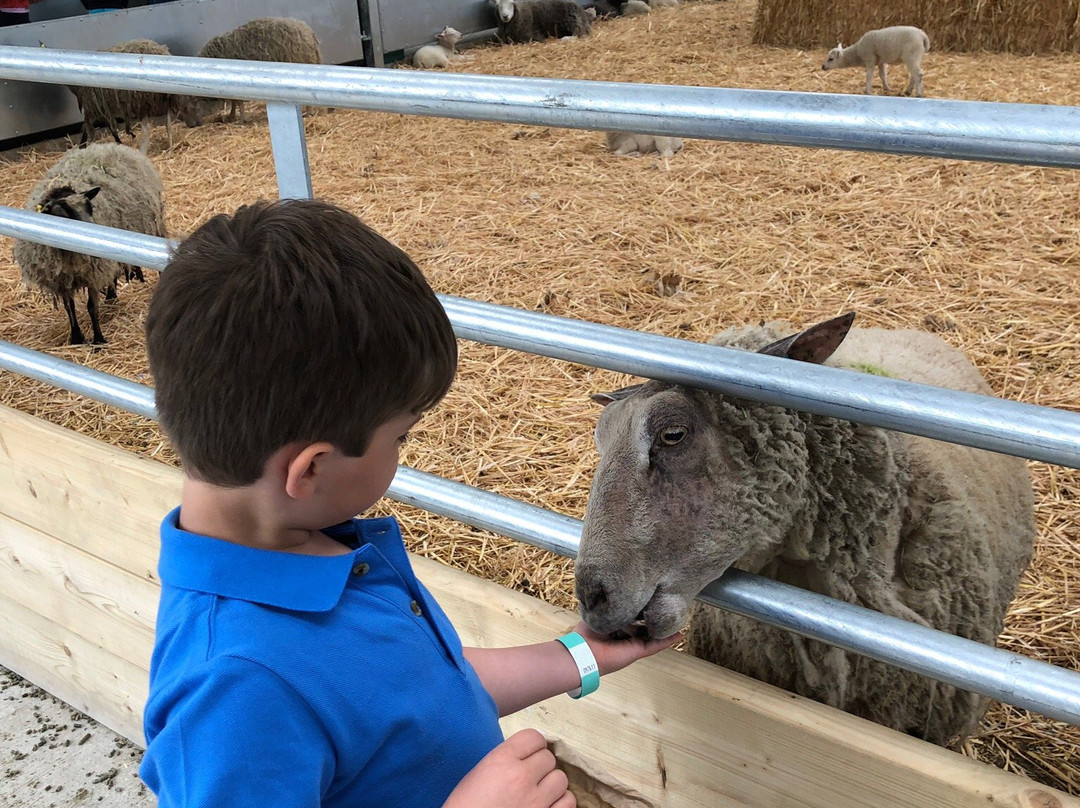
(85, 675)
(100, 602)
(60, 483)
(680, 730)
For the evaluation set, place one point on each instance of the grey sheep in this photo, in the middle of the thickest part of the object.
(885, 46)
(692, 482)
(267, 39)
(536, 20)
(107, 184)
(105, 106)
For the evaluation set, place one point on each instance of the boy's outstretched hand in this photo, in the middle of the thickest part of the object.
(518, 773)
(614, 655)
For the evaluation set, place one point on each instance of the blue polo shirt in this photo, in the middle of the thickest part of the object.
(280, 679)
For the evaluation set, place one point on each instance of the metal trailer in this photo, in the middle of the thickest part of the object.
(1016, 133)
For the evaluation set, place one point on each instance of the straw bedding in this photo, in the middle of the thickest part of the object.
(1009, 26)
(546, 219)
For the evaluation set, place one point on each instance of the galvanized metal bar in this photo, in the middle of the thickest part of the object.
(83, 237)
(93, 384)
(999, 425)
(994, 672)
(1034, 134)
(1039, 686)
(289, 144)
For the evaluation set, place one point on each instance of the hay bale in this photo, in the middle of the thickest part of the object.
(1003, 26)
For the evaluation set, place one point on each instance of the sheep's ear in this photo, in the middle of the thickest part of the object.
(615, 395)
(92, 192)
(815, 344)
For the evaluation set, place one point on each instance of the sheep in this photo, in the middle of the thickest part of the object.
(602, 9)
(634, 8)
(105, 183)
(885, 46)
(539, 19)
(104, 106)
(438, 55)
(625, 143)
(663, 3)
(267, 39)
(692, 482)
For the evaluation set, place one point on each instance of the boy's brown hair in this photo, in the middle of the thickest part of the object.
(290, 321)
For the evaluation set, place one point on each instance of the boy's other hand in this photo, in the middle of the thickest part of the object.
(518, 773)
(614, 655)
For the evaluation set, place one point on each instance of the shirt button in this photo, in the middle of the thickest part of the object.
(416, 609)
(360, 569)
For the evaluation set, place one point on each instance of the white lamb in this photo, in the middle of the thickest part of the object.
(885, 46)
(628, 144)
(692, 482)
(438, 55)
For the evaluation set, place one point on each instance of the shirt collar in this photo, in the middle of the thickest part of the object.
(291, 581)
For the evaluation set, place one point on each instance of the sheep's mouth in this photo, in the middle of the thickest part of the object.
(638, 627)
(655, 617)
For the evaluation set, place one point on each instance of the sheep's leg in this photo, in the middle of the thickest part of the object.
(76, 337)
(87, 134)
(144, 136)
(92, 307)
(114, 133)
(133, 273)
(884, 77)
(914, 86)
(110, 290)
(168, 126)
(870, 78)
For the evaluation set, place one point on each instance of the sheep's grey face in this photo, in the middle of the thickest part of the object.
(833, 58)
(664, 516)
(68, 204)
(505, 9)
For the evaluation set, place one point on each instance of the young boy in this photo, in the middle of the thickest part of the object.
(298, 662)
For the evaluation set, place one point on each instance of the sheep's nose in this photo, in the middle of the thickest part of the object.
(590, 592)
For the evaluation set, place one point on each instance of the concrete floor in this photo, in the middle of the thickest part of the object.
(52, 756)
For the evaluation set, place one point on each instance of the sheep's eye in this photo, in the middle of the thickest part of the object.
(673, 435)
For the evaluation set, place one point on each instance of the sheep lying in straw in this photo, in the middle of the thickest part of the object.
(691, 483)
(634, 8)
(606, 9)
(626, 144)
(540, 19)
(885, 46)
(105, 183)
(267, 39)
(105, 106)
(438, 55)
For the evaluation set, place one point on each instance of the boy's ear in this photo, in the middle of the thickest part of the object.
(302, 471)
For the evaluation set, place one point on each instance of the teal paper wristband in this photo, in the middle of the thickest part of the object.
(586, 662)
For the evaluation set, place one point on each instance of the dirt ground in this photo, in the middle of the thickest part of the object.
(52, 756)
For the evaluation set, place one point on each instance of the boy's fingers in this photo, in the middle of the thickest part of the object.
(665, 642)
(525, 742)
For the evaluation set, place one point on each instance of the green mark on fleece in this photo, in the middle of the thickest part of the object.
(866, 367)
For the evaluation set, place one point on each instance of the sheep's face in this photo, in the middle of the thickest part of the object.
(67, 203)
(833, 59)
(448, 37)
(505, 8)
(688, 484)
(666, 513)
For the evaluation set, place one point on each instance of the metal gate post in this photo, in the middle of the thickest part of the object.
(290, 150)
